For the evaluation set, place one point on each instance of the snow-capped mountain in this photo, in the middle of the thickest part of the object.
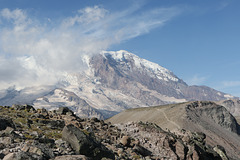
(113, 82)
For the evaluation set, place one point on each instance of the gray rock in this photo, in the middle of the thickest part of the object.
(79, 141)
(72, 157)
(83, 143)
(125, 141)
(6, 122)
(141, 150)
(6, 140)
(22, 156)
(7, 132)
(65, 111)
(38, 150)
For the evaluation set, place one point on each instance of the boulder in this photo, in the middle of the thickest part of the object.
(83, 143)
(6, 140)
(7, 132)
(64, 111)
(141, 150)
(80, 141)
(6, 122)
(125, 141)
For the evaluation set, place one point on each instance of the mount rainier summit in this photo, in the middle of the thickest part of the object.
(112, 82)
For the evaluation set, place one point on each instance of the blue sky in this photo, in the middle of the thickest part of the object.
(197, 40)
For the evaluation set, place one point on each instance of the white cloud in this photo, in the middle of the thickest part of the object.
(18, 16)
(196, 80)
(39, 52)
(86, 16)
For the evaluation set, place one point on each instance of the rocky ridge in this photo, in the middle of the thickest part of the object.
(215, 121)
(27, 133)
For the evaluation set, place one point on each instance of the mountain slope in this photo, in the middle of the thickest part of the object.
(214, 120)
(113, 82)
(122, 70)
(63, 98)
(27, 95)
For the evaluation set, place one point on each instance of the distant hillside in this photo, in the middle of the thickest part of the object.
(201, 116)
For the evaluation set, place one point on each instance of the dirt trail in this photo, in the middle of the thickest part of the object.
(175, 124)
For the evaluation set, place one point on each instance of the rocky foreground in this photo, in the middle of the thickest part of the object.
(26, 134)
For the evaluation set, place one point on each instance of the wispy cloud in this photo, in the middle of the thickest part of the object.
(227, 84)
(196, 80)
(222, 5)
(34, 52)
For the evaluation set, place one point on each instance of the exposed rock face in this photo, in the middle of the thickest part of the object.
(233, 106)
(219, 126)
(218, 114)
(126, 72)
(32, 138)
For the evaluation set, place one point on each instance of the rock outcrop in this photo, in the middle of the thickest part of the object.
(233, 106)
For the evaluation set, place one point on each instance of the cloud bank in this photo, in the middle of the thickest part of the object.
(35, 52)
